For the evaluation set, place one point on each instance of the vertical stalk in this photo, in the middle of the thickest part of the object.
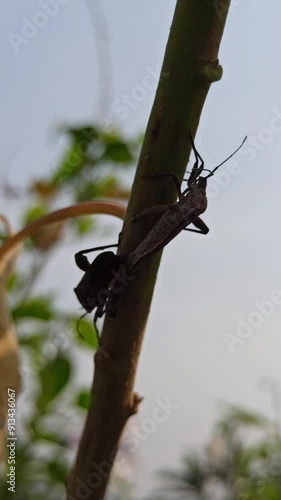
(190, 66)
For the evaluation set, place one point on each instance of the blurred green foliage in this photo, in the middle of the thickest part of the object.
(242, 462)
(51, 409)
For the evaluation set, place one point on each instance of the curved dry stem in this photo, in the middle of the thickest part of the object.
(7, 225)
(88, 208)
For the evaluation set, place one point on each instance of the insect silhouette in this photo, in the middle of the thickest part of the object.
(91, 291)
(95, 288)
(174, 218)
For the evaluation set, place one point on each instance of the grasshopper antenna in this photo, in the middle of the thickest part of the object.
(236, 150)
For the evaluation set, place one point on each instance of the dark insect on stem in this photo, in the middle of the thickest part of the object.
(174, 218)
(92, 290)
(105, 278)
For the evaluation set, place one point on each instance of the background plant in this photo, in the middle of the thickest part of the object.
(242, 462)
(96, 165)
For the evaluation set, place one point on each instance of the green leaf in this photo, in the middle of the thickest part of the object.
(38, 308)
(34, 341)
(248, 418)
(97, 189)
(57, 471)
(13, 281)
(83, 400)
(88, 191)
(53, 378)
(85, 333)
(48, 436)
(118, 151)
(84, 225)
(72, 164)
(35, 212)
(82, 134)
(76, 158)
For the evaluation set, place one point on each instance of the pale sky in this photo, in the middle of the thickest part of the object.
(207, 285)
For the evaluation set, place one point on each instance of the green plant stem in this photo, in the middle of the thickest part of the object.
(190, 66)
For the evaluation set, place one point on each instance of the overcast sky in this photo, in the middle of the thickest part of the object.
(210, 336)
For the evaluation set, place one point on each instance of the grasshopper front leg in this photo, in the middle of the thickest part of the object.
(156, 210)
(202, 228)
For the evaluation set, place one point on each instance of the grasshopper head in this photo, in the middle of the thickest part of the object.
(202, 183)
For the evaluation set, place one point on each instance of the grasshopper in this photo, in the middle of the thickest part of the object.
(174, 218)
(97, 289)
